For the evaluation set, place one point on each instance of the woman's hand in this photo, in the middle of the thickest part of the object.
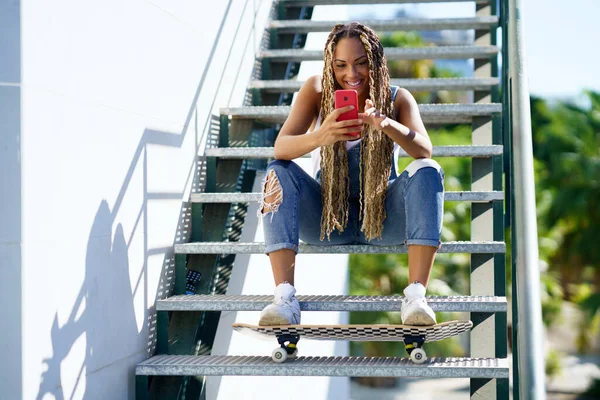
(332, 131)
(373, 117)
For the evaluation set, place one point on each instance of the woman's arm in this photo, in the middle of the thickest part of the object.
(293, 140)
(408, 131)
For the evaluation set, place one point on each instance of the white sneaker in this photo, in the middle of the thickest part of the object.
(285, 309)
(415, 310)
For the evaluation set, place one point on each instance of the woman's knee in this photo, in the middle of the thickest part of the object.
(272, 189)
(424, 164)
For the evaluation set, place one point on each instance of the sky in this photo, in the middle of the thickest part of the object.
(561, 40)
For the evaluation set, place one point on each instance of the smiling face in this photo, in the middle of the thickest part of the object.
(351, 66)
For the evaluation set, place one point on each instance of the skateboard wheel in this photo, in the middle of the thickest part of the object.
(418, 356)
(279, 355)
(294, 354)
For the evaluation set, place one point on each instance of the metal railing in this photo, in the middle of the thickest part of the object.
(528, 356)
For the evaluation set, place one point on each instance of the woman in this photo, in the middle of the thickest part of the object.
(354, 189)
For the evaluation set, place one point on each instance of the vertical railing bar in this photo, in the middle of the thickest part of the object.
(530, 334)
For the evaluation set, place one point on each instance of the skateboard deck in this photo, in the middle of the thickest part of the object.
(370, 333)
(412, 335)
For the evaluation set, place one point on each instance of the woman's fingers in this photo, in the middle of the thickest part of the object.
(350, 122)
(339, 111)
(352, 130)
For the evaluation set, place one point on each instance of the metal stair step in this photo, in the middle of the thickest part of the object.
(323, 366)
(255, 197)
(259, 248)
(405, 24)
(391, 53)
(205, 302)
(431, 113)
(438, 151)
(302, 3)
(421, 84)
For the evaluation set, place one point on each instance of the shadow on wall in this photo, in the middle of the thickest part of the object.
(103, 312)
(104, 315)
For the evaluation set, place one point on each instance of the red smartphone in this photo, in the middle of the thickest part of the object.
(345, 98)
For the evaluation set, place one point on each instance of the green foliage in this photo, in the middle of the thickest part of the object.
(553, 363)
(588, 300)
(566, 139)
(567, 148)
(402, 39)
(419, 68)
(552, 299)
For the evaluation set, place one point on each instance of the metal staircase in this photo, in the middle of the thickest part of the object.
(187, 323)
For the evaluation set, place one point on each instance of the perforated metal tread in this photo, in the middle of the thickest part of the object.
(438, 151)
(255, 197)
(433, 24)
(288, 86)
(323, 366)
(259, 248)
(329, 303)
(360, 333)
(431, 113)
(391, 53)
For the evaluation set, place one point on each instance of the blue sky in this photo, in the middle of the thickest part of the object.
(561, 40)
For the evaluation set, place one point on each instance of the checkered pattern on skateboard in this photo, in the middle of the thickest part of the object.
(362, 332)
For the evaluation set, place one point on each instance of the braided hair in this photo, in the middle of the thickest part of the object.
(376, 147)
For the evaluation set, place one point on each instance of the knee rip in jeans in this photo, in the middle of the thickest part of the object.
(420, 163)
(272, 195)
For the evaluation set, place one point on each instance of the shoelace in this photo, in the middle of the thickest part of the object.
(282, 301)
(421, 299)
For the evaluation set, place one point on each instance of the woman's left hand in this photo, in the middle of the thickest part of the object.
(373, 116)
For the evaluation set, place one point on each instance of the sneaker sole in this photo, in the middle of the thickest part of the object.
(419, 319)
(268, 319)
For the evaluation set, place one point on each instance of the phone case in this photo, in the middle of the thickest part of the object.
(345, 98)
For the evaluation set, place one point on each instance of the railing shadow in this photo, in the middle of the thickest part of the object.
(103, 318)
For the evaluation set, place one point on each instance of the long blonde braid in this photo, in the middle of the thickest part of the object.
(376, 147)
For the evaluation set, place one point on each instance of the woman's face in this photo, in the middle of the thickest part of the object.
(351, 66)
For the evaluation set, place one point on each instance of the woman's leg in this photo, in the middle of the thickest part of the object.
(420, 263)
(424, 205)
(414, 213)
(290, 209)
(279, 211)
(283, 263)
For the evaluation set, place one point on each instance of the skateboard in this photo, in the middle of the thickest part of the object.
(413, 336)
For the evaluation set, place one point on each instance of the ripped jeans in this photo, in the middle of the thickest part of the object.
(414, 206)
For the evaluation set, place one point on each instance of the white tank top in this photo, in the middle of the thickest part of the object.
(315, 155)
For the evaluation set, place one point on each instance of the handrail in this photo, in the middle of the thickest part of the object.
(529, 330)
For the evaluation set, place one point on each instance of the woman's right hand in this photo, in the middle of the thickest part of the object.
(332, 131)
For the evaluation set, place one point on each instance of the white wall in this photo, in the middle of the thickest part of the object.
(115, 99)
